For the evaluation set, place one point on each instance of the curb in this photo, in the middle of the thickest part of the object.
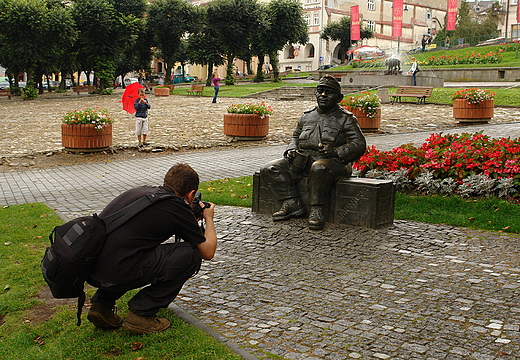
(190, 319)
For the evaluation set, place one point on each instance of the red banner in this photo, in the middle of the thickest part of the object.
(355, 23)
(518, 13)
(397, 18)
(451, 18)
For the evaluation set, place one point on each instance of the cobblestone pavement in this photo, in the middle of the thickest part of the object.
(182, 122)
(408, 291)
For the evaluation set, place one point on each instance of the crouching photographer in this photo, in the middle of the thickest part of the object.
(134, 255)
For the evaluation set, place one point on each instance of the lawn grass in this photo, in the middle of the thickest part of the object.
(484, 214)
(508, 58)
(24, 233)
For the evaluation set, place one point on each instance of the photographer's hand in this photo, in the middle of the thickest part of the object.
(208, 248)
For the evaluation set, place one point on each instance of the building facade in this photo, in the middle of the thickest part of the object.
(419, 17)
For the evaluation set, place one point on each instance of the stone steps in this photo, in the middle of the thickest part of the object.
(293, 93)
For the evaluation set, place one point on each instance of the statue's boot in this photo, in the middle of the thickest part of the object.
(290, 208)
(316, 219)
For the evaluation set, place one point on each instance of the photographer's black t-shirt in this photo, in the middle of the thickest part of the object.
(121, 258)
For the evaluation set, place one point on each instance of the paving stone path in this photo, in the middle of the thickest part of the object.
(409, 291)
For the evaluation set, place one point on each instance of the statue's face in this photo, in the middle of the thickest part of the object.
(327, 98)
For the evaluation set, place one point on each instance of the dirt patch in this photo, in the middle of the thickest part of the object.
(47, 307)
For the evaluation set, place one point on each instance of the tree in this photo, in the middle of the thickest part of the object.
(34, 35)
(340, 31)
(233, 22)
(169, 21)
(284, 25)
(102, 35)
(136, 53)
(468, 27)
(204, 49)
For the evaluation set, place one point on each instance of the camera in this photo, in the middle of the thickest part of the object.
(196, 208)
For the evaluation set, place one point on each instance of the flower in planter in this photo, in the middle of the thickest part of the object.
(473, 95)
(250, 108)
(367, 101)
(88, 116)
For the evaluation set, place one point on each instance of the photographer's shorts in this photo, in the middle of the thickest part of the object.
(141, 126)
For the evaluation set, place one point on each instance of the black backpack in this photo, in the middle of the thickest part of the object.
(75, 246)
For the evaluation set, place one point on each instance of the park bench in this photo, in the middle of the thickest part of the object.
(5, 92)
(419, 92)
(196, 89)
(88, 88)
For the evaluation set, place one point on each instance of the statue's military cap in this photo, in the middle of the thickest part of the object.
(330, 82)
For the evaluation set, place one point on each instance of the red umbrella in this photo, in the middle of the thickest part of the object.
(129, 96)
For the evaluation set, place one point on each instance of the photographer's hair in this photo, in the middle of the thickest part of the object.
(182, 179)
(140, 91)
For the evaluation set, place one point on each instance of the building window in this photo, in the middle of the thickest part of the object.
(371, 25)
(311, 50)
(429, 14)
(371, 4)
(307, 19)
(316, 19)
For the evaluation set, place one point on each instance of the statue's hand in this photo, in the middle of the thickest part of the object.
(290, 154)
(327, 151)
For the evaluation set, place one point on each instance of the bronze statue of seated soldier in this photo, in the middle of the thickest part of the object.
(324, 144)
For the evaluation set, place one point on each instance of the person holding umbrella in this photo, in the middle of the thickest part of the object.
(141, 106)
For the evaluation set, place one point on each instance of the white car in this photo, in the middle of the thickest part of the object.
(129, 81)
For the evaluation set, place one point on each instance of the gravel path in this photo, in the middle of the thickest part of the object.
(182, 122)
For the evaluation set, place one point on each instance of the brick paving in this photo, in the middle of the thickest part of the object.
(409, 291)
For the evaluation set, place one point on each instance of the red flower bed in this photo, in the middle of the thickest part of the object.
(449, 156)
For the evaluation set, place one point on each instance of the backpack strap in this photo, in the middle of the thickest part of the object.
(121, 216)
(81, 302)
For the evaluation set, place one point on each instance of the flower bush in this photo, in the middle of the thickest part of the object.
(464, 164)
(473, 95)
(370, 63)
(367, 101)
(473, 58)
(88, 116)
(250, 108)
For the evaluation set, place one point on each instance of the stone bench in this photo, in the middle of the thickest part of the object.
(363, 202)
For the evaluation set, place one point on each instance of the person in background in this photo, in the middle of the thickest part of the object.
(414, 70)
(216, 85)
(141, 106)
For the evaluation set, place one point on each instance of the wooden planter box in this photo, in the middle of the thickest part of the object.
(157, 91)
(366, 123)
(246, 126)
(464, 112)
(85, 137)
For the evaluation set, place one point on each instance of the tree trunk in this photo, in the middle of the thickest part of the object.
(230, 78)
(274, 64)
(260, 77)
(168, 71)
(210, 74)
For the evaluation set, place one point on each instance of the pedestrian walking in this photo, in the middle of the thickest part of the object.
(216, 85)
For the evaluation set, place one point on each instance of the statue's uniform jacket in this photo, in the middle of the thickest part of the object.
(337, 128)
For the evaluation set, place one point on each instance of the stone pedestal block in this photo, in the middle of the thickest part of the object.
(360, 202)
